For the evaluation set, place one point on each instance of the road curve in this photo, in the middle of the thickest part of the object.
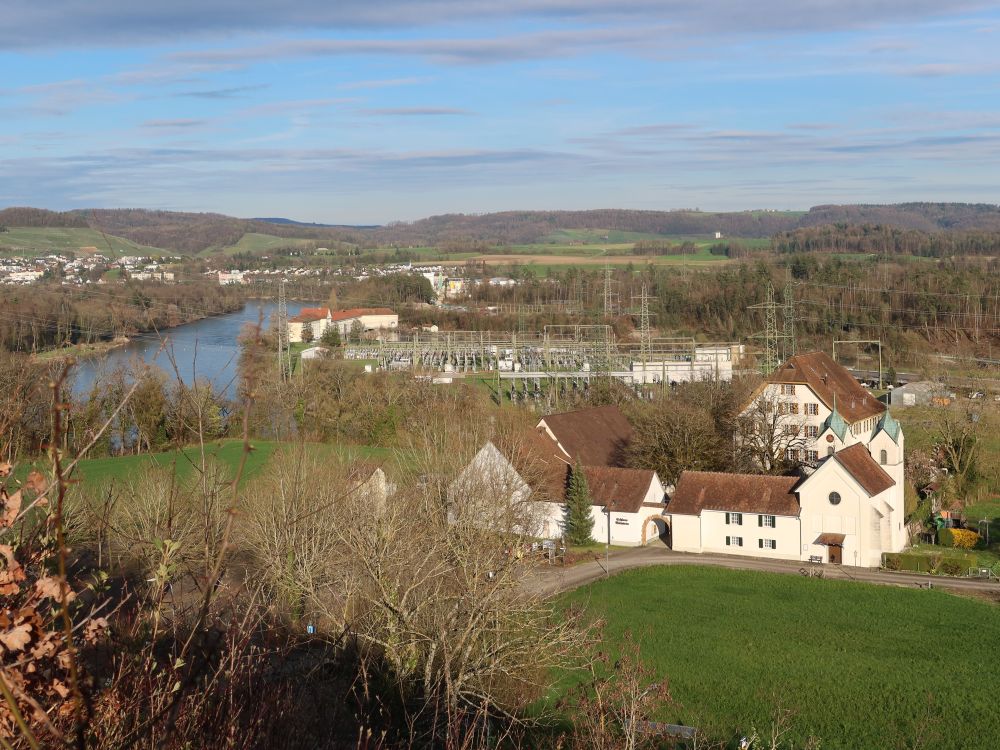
(549, 581)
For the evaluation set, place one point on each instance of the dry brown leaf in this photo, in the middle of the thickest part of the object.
(17, 638)
(49, 587)
(5, 469)
(36, 481)
(14, 572)
(12, 506)
(60, 688)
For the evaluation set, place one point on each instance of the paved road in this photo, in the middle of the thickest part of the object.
(550, 581)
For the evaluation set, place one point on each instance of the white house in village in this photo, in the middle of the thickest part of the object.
(378, 320)
(528, 477)
(848, 509)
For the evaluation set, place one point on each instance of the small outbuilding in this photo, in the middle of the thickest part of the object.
(921, 393)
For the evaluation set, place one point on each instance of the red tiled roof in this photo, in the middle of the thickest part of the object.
(310, 314)
(827, 379)
(860, 465)
(357, 312)
(742, 493)
(537, 458)
(620, 490)
(594, 437)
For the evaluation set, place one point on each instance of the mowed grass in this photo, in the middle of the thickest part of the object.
(95, 472)
(46, 240)
(860, 666)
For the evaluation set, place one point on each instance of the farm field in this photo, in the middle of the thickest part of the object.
(859, 666)
(46, 240)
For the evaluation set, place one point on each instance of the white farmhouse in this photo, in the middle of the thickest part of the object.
(528, 476)
(378, 320)
(848, 509)
(819, 401)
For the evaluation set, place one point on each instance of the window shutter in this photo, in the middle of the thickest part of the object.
(760, 543)
(727, 523)
(727, 541)
(760, 520)
(774, 544)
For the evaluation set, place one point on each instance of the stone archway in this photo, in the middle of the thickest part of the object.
(652, 519)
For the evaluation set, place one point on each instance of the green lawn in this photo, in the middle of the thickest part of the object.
(46, 240)
(860, 666)
(97, 471)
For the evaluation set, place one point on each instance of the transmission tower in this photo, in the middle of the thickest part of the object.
(778, 345)
(645, 337)
(789, 321)
(609, 294)
(284, 346)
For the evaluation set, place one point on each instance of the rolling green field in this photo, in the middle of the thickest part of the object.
(45, 240)
(860, 666)
(252, 242)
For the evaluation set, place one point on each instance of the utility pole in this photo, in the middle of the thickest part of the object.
(284, 345)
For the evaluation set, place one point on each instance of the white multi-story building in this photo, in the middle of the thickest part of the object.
(848, 509)
(379, 320)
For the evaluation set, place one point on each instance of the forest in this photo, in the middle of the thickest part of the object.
(49, 315)
(194, 232)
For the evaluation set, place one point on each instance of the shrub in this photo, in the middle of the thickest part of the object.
(891, 561)
(964, 538)
(951, 568)
(946, 537)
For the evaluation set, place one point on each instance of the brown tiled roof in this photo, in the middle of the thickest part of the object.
(836, 540)
(742, 493)
(594, 437)
(357, 312)
(620, 490)
(537, 458)
(827, 378)
(860, 465)
(310, 314)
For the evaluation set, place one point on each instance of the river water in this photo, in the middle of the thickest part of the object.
(204, 350)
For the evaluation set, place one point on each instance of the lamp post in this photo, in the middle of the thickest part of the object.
(607, 547)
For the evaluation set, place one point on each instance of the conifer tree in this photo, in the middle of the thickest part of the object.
(579, 522)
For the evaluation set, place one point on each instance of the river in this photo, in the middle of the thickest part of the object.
(205, 350)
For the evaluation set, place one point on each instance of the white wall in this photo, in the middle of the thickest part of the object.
(786, 534)
(855, 516)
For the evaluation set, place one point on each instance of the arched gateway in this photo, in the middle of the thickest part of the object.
(656, 526)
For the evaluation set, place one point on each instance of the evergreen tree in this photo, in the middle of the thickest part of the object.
(579, 522)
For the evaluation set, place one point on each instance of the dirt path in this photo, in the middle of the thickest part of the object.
(550, 581)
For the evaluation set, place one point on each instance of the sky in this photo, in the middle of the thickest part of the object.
(370, 111)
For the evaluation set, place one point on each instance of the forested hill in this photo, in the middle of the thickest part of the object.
(195, 232)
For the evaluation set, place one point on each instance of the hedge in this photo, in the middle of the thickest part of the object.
(949, 565)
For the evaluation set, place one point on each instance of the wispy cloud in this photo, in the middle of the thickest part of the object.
(172, 124)
(414, 112)
(382, 83)
(29, 23)
(234, 92)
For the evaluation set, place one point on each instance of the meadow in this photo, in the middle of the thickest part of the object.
(859, 666)
(46, 240)
(94, 472)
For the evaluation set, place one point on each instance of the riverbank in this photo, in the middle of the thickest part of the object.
(80, 351)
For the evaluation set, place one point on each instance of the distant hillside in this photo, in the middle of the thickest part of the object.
(207, 232)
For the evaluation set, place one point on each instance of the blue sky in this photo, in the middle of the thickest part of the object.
(365, 112)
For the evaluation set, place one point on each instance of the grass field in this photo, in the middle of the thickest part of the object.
(46, 240)
(98, 471)
(860, 666)
(253, 242)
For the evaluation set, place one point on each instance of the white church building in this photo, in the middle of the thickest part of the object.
(845, 508)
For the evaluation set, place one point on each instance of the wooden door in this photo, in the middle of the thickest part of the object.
(836, 554)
